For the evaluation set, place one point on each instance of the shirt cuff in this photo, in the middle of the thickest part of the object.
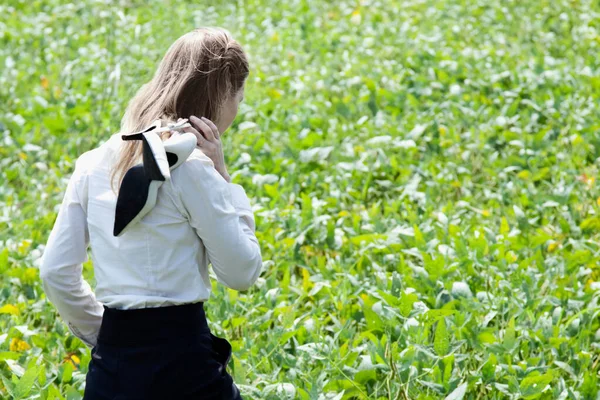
(90, 342)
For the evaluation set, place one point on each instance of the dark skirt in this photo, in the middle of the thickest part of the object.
(159, 353)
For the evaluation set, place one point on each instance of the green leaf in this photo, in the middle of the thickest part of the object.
(54, 393)
(441, 342)
(26, 382)
(406, 303)
(489, 368)
(486, 337)
(286, 336)
(566, 367)
(72, 393)
(367, 238)
(9, 355)
(365, 375)
(591, 224)
(374, 322)
(4, 260)
(271, 190)
(42, 375)
(419, 239)
(9, 386)
(458, 393)
(431, 316)
(589, 387)
(67, 372)
(504, 228)
(532, 386)
(510, 336)
(448, 366)
(339, 384)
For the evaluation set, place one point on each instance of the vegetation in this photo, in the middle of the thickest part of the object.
(423, 175)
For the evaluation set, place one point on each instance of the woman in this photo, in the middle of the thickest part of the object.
(152, 239)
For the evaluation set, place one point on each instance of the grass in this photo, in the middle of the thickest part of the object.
(423, 175)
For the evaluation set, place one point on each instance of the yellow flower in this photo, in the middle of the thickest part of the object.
(9, 309)
(306, 283)
(525, 175)
(274, 93)
(308, 250)
(18, 345)
(73, 360)
(25, 244)
(590, 181)
(552, 247)
(29, 275)
(589, 282)
(355, 18)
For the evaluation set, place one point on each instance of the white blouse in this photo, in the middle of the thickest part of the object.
(199, 218)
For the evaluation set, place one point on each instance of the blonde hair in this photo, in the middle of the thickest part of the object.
(198, 73)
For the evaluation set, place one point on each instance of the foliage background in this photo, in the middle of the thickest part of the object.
(423, 175)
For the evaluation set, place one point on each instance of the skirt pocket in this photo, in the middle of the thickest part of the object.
(202, 373)
(101, 378)
(222, 348)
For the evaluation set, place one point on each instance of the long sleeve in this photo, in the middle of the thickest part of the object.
(221, 215)
(62, 265)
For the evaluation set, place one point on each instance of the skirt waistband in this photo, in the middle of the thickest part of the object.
(152, 324)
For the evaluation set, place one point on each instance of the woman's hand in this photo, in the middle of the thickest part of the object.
(209, 141)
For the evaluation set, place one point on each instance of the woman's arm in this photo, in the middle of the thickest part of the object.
(62, 265)
(221, 215)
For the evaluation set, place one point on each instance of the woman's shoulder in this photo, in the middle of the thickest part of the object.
(97, 156)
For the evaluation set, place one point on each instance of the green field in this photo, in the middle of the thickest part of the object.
(423, 175)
